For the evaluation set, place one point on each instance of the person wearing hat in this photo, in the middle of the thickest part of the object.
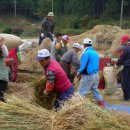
(71, 58)
(125, 61)
(56, 78)
(118, 52)
(124, 41)
(47, 28)
(62, 47)
(89, 67)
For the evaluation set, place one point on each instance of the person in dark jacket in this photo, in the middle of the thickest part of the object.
(71, 58)
(47, 28)
(125, 61)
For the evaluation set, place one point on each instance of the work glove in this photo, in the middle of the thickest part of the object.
(42, 35)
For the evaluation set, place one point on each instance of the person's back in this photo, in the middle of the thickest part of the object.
(90, 59)
(71, 57)
(89, 67)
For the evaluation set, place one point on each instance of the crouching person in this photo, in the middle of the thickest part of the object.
(89, 67)
(56, 78)
(4, 75)
(71, 58)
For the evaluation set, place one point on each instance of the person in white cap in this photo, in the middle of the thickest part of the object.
(89, 67)
(62, 47)
(47, 28)
(56, 78)
(71, 58)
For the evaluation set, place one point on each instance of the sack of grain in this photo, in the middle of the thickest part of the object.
(11, 41)
(109, 74)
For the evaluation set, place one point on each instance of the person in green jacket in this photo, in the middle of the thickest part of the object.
(61, 47)
(4, 73)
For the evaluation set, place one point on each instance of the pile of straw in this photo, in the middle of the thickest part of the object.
(19, 114)
(41, 99)
(104, 36)
(30, 62)
(77, 114)
(81, 114)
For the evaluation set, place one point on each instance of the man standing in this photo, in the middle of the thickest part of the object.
(56, 78)
(89, 67)
(69, 58)
(125, 61)
(47, 28)
(62, 47)
(58, 38)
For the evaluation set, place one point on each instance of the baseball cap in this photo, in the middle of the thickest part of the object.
(124, 38)
(87, 41)
(66, 38)
(50, 14)
(77, 45)
(42, 54)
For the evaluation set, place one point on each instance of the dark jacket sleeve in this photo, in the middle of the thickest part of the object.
(122, 58)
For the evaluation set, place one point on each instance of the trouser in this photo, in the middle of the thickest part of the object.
(61, 98)
(3, 87)
(126, 83)
(66, 68)
(90, 82)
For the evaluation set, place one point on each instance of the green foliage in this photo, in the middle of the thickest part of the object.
(126, 24)
(45, 7)
(112, 9)
(93, 23)
(2, 27)
(7, 30)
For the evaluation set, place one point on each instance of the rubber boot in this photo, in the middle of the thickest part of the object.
(101, 103)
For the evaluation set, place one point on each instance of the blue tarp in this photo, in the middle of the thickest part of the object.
(118, 107)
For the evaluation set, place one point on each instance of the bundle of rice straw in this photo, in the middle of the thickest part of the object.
(77, 114)
(42, 100)
(81, 114)
(19, 114)
(30, 62)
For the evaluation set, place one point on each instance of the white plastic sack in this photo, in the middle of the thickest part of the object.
(11, 41)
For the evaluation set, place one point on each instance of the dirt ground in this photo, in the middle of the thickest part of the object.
(116, 98)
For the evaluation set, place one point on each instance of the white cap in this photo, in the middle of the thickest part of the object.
(42, 54)
(77, 45)
(66, 38)
(50, 14)
(87, 41)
